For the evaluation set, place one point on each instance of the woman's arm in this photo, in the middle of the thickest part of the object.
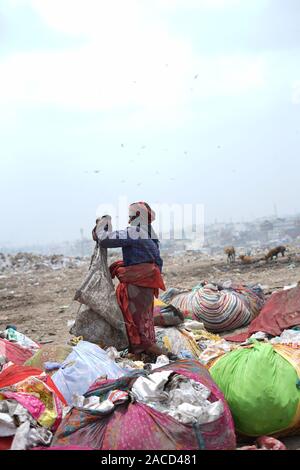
(109, 239)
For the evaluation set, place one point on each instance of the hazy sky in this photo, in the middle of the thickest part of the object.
(174, 101)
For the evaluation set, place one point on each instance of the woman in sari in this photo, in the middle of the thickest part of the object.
(139, 274)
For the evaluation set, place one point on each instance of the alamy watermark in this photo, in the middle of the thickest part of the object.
(172, 221)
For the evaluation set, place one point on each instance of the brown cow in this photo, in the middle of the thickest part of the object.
(246, 259)
(275, 252)
(230, 252)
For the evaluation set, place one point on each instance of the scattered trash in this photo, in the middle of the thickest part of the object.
(166, 315)
(183, 399)
(63, 308)
(175, 340)
(270, 443)
(160, 362)
(23, 262)
(260, 336)
(291, 286)
(215, 350)
(287, 337)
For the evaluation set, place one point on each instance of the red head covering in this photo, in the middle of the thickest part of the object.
(143, 211)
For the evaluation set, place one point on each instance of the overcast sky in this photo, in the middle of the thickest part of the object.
(172, 101)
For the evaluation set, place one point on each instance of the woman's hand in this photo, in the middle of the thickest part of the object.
(94, 235)
(103, 224)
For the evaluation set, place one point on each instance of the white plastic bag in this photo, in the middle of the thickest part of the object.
(86, 363)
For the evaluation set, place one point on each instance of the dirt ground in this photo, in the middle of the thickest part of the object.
(39, 301)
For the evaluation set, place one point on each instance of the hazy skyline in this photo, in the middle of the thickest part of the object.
(168, 101)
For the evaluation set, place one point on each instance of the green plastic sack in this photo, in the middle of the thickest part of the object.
(261, 388)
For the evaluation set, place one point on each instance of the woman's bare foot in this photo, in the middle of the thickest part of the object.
(157, 351)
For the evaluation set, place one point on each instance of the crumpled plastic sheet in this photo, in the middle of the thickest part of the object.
(82, 367)
(115, 397)
(160, 362)
(287, 337)
(181, 398)
(27, 437)
(214, 350)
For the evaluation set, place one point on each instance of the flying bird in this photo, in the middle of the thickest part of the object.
(196, 76)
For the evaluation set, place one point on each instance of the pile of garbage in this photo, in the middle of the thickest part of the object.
(42, 401)
(24, 262)
(93, 394)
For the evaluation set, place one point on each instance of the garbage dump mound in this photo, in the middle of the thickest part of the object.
(23, 262)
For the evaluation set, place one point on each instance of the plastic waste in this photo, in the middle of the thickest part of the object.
(86, 363)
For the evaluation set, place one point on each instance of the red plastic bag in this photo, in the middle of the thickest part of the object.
(13, 352)
(269, 443)
(14, 374)
(265, 443)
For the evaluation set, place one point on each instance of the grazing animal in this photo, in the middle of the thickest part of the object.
(230, 252)
(275, 252)
(246, 259)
